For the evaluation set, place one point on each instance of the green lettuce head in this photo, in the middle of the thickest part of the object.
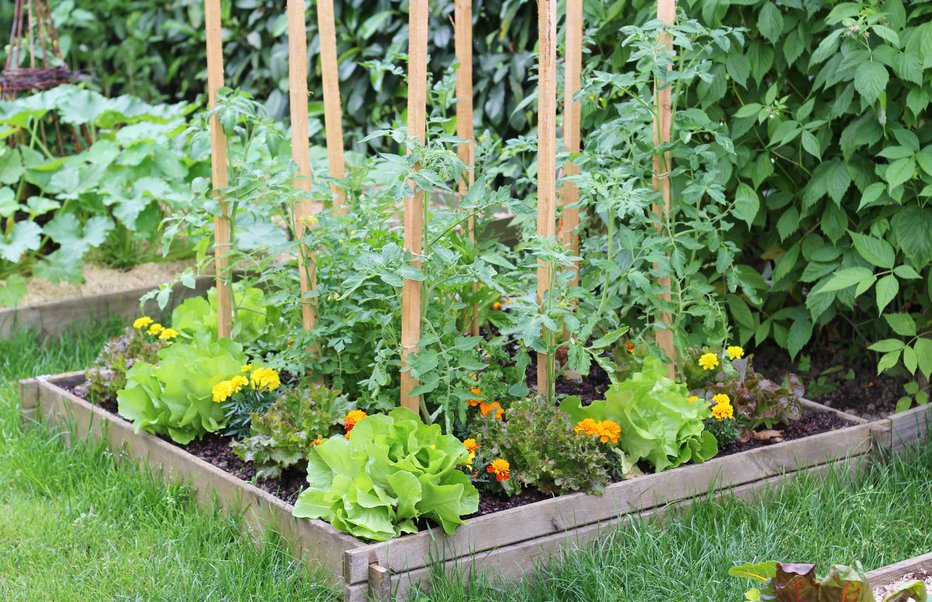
(175, 397)
(392, 471)
(658, 423)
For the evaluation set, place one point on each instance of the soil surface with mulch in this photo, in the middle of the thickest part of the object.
(215, 449)
(837, 380)
(885, 590)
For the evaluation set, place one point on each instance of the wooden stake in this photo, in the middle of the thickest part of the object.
(218, 167)
(300, 148)
(414, 205)
(546, 164)
(663, 122)
(462, 33)
(333, 119)
(569, 192)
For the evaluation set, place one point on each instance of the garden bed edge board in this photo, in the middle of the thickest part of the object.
(313, 540)
(887, 574)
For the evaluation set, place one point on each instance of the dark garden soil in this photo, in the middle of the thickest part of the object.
(836, 379)
(215, 449)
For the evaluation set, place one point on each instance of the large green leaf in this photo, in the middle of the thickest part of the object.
(26, 236)
(912, 227)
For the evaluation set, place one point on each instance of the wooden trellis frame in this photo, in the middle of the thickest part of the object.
(572, 117)
(333, 118)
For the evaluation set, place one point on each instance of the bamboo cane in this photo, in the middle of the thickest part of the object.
(572, 110)
(414, 205)
(663, 121)
(300, 148)
(546, 165)
(462, 33)
(333, 120)
(218, 167)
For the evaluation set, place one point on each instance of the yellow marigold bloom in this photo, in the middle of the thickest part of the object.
(168, 334)
(265, 378)
(238, 382)
(708, 361)
(246, 368)
(720, 398)
(155, 329)
(469, 460)
(722, 411)
(142, 322)
(472, 446)
(692, 398)
(500, 468)
(351, 418)
(222, 391)
(735, 352)
(493, 408)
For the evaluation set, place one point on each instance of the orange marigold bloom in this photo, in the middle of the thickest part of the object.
(472, 446)
(317, 441)
(500, 468)
(494, 408)
(604, 430)
(497, 305)
(477, 400)
(629, 346)
(351, 419)
(587, 426)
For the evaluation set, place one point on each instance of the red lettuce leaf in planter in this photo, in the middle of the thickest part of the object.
(786, 582)
(758, 402)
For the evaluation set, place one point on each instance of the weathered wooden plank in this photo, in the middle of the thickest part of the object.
(313, 540)
(887, 574)
(521, 559)
(910, 426)
(52, 319)
(566, 512)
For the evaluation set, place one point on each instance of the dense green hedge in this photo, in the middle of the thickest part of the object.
(827, 104)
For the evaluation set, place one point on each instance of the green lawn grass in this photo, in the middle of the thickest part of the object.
(75, 526)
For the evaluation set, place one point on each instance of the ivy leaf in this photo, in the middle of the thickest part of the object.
(876, 251)
(747, 203)
(870, 79)
(887, 289)
(770, 22)
(25, 237)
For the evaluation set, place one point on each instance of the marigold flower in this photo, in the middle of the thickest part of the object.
(722, 411)
(477, 400)
(497, 305)
(222, 391)
(735, 352)
(708, 361)
(719, 398)
(692, 398)
(500, 468)
(317, 441)
(155, 329)
(488, 408)
(587, 426)
(142, 322)
(168, 334)
(351, 419)
(629, 346)
(246, 368)
(606, 431)
(469, 460)
(238, 382)
(265, 378)
(472, 446)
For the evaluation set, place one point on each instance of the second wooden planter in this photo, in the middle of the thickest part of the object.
(506, 543)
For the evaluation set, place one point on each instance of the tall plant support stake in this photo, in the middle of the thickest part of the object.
(663, 122)
(300, 148)
(218, 167)
(414, 205)
(462, 32)
(572, 116)
(546, 165)
(333, 119)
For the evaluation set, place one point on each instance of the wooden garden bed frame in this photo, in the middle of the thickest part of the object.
(887, 574)
(52, 318)
(507, 543)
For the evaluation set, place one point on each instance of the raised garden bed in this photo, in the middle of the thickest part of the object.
(505, 543)
(918, 569)
(53, 317)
